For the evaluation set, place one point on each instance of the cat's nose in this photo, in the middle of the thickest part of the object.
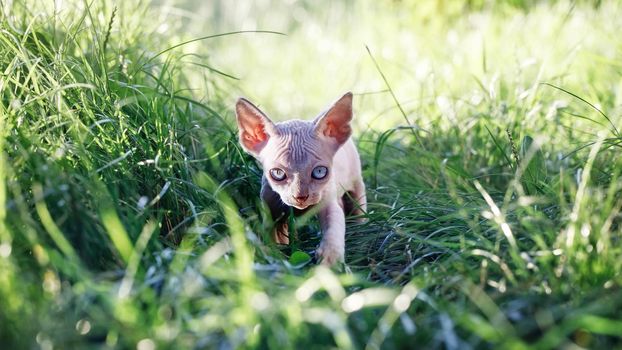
(301, 199)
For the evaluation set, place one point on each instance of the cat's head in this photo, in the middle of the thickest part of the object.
(296, 155)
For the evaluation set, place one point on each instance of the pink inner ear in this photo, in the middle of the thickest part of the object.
(256, 138)
(338, 132)
(335, 123)
(330, 130)
(260, 133)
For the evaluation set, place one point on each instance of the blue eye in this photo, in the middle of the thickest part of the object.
(319, 172)
(277, 174)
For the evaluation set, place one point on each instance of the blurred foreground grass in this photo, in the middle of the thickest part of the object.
(129, 215)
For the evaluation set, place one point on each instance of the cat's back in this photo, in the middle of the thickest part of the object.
(347, 164)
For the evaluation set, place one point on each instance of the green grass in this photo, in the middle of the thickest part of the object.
(489, 135)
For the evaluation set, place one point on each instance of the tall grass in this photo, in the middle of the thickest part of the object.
(129, 215)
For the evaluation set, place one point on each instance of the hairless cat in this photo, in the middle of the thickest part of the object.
(307, 164)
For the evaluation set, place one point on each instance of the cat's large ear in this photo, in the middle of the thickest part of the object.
(335, 123)
(255, 127)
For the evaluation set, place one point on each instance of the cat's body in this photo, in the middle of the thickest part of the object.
(307, 164)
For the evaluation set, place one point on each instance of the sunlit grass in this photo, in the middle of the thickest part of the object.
(129, 216)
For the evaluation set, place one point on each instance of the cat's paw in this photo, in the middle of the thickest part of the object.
(281, 234)
(361, 220)
(330, 253)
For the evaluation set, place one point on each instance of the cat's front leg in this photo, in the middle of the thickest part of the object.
(278, 211)
(333, 224)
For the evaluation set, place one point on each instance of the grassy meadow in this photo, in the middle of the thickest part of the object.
(490, 137)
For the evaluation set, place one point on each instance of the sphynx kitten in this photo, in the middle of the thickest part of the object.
(307, 164)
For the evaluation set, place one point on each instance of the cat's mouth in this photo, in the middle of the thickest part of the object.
(301, 206)
(298, 205)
